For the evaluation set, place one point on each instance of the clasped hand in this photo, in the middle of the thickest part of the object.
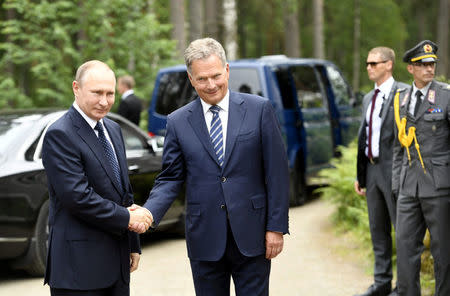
(140, 219)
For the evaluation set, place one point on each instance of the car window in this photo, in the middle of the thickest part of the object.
(175, 90)
(245, 80)
(309, 93)
(339, 86)
(132, 140)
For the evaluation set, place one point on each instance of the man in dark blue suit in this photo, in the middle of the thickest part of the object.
(228, 150)
(90, 246)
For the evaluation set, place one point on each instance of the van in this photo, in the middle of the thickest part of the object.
(314, 104)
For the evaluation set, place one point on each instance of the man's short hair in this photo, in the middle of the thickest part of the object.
(127, 80)
(85, 67)
(386, 53)
(202, 49)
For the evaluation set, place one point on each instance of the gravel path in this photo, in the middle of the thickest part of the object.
(312, 263)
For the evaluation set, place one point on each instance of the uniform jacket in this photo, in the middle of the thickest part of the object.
(131, 108)
(89, 244)
(432, 125)
(250, 190)
(386, 135)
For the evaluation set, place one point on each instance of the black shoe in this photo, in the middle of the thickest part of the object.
(394, 292)
(379, 291)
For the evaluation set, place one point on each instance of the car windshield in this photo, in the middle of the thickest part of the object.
(13, 126)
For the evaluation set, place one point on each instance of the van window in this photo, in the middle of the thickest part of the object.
(245, 80)
(175, 90)
(309, 94)
(339, 86)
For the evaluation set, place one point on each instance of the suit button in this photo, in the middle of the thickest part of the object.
(223, 179)
(223, 207)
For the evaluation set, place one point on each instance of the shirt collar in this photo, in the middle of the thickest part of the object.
(423, 90)
(385, 87)
(92, 123)
(223, 104)
(127, 93)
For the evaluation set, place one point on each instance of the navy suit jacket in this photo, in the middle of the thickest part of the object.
(252, 186)
(89, 244)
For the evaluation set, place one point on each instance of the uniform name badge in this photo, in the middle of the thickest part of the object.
(431, 96)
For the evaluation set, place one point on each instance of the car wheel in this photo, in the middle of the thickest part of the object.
(298, 192)
(38, 250)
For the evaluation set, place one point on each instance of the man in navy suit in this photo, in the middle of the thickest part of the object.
(228, 150)
(91, 250)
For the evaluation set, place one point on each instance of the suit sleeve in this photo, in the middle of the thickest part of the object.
(169, 182)
(68, 181)
(276, 171)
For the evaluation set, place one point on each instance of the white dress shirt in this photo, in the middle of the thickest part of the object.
(383, 95)
(224, 105)
(127, 93)
(92, 123)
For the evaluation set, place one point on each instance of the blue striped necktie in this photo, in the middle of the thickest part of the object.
(216, 133)
(109, 153)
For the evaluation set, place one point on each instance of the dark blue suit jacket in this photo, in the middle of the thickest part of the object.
(253, 182)
(89, 244)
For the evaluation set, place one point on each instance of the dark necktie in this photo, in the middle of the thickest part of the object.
(418, 102)
(216, 133)
(369, 152)
(109, 153)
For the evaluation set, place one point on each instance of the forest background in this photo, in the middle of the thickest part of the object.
(43, 42)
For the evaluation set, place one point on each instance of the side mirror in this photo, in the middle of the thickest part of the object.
(157, 144)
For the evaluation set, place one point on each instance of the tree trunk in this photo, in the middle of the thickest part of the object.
(442, 38)
(319, 49)
(177, 20)
(356, 44)
(291, 29)
(211, 19)
(195, 19)
(230, 29)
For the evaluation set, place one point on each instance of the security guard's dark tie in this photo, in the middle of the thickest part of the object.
(418, 102)
(369, 140)
(109, 153)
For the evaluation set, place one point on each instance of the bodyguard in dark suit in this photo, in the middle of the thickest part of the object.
(130, 105)
(374, 164)
(421, 172)
(228, 150)
(90, 247)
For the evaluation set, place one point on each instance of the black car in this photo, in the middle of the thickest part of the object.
(24, 199)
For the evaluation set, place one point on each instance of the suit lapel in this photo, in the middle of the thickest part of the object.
(87, 134)
(388, 102)
(197, 120)
(236, 114)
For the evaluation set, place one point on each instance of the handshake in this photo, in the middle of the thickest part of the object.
(140, 219)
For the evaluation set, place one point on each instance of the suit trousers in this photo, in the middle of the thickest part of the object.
(381, 206)
(120, 288)
(250, 274)
(414, 216)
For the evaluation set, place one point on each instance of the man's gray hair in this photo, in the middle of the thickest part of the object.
(202, 49)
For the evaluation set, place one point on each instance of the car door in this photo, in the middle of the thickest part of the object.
(143, 167)
(310, 93)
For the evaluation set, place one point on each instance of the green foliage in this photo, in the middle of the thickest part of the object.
(351, 209)
(47, 40)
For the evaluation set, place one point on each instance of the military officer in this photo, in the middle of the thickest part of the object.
(421, 171)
